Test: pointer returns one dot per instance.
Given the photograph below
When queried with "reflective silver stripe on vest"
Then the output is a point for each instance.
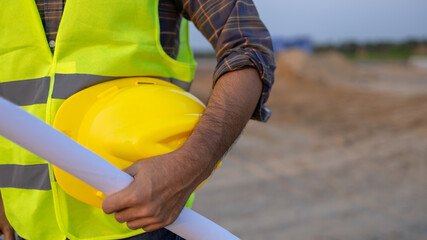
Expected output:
(68, 84)
(26, 92)
(25, 176)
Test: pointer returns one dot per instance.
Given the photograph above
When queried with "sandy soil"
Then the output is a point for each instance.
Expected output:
(343, 157)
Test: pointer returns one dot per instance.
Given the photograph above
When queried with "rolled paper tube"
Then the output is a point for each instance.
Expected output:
(36, 136)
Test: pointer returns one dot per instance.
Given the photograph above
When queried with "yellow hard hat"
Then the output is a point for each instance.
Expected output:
(123, 121)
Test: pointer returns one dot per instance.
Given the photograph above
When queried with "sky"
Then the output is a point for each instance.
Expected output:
(334, 21)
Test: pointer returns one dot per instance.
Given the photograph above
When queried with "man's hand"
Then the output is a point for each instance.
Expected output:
(163, 183)
(5, 227)
(159, 192)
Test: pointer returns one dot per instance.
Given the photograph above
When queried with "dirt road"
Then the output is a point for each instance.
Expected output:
(343, 157)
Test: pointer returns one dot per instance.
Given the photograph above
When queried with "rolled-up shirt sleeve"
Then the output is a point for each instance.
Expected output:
(240, 40)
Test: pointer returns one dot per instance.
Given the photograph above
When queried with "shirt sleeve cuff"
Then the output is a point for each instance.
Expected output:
(250, 58)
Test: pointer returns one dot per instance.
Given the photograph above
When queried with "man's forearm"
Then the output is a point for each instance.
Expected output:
(230, 106)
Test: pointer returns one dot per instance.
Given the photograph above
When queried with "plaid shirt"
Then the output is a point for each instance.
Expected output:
(232, 27)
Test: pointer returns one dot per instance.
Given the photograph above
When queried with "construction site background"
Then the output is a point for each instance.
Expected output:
(344, 155)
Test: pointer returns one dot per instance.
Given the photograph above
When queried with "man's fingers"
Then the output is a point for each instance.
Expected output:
(120, 200)
(123, 199)
(140, 223)
(148, 224)
(132, 214)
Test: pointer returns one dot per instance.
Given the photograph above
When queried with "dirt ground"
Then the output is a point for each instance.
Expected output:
(344, 155)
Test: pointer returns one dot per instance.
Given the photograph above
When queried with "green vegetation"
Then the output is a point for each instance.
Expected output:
(378, 50)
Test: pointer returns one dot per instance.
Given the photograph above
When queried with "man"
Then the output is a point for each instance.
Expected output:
(162, 184)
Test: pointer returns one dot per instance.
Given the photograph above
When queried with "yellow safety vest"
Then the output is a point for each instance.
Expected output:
(97, 41)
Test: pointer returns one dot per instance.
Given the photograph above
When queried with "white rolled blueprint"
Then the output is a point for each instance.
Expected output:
(55, 147)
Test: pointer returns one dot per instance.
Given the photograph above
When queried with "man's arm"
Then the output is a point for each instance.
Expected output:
(239, 37)
(5, 227)
(163, 183)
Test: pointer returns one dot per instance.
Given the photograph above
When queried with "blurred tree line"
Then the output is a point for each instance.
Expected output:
(378, 50)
